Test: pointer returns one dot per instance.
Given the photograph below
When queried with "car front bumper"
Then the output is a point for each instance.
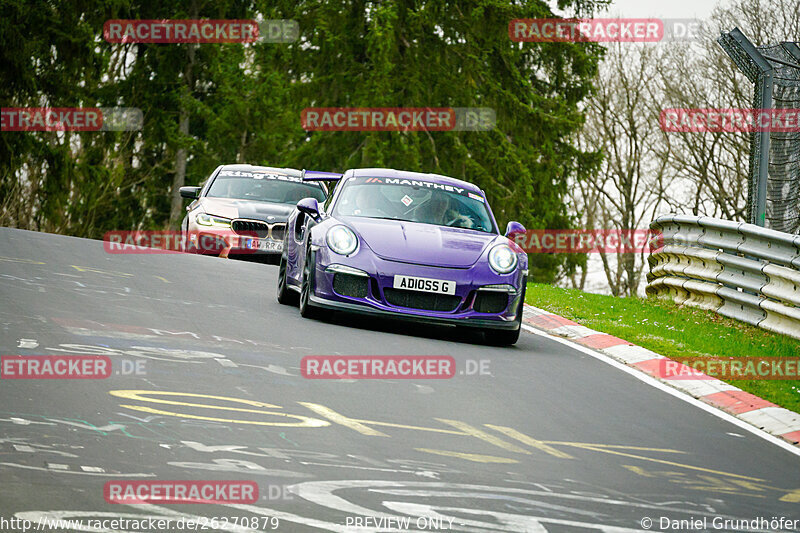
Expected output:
(377, 296)
(224, 242)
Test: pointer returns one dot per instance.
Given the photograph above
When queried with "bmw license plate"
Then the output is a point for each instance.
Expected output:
(270, 246)
(438, 286)
(263, 245)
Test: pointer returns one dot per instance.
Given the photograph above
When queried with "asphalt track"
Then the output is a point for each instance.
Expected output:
(551, 439)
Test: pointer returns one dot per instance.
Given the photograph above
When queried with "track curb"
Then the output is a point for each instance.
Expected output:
(745, 406)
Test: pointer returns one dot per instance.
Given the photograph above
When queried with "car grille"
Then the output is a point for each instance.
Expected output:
(421, 300)
(250, 228)
(491, 302)
(350, 285)
(278, 231)
(256, 228)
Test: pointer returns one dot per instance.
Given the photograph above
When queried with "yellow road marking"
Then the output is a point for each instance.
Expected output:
(662, 461)
(98, 271)
(340, 419)
(615, 446)
(355, 422)
(18, 260)
(706, 483)
(792, 497)
(638, 470)
(141, 395)
(165, 280)
(306, 423)
(418, 428)
(482, 435)
(478, 458)
(524, 439)
(462, 428)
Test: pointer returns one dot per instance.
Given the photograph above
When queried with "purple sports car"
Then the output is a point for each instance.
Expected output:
(402, 244)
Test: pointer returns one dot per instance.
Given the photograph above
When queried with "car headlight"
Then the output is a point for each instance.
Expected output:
(342, 240)
(502, 259)
(205, 219)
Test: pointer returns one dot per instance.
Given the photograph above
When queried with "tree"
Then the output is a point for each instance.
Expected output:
(209, 104)
(647, 172)
(630, 184)
(451, 53)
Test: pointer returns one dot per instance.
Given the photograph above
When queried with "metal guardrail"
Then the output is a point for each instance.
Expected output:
(738, 270)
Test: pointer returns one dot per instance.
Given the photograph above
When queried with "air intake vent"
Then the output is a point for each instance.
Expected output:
(350, 285)
(421, 300)
(491, 302)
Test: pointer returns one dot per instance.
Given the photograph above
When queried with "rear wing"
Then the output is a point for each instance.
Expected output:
(318, 175)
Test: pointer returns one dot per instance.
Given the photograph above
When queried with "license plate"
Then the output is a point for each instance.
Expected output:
(270, 246)
(438, 286)
(263, 245)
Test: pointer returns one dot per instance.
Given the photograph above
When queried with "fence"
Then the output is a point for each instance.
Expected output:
(774, 184)
(738, 270)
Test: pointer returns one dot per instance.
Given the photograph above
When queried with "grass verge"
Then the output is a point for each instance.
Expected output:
(676, 331)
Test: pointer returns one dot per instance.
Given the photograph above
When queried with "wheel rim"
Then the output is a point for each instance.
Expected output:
(306, 286)
(281, 276)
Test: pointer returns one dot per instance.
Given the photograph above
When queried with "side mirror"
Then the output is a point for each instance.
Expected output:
(310, 207)
(190, 192)
(514, 227)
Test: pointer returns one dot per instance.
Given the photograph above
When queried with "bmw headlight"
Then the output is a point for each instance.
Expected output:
(205, 219)
(342, 240)
(502, 259)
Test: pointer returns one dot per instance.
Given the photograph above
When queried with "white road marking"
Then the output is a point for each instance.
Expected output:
(24, 422)
(66, 470)
(27, 343)
(641, 376)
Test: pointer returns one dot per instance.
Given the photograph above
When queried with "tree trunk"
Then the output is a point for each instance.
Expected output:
(176, 209)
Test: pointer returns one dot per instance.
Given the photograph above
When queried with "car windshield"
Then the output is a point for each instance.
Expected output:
(423, 202)
(259, 187)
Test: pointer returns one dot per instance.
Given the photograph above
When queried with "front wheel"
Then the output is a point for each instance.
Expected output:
(306, 309)
(507, 337)
(286, 296)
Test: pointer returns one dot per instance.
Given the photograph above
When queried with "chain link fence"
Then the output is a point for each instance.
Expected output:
(774, 181)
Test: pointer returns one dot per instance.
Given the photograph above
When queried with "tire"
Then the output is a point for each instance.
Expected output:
(286, 296)
(186, 247)
(507, 337)
(306, 309)
(502, 337)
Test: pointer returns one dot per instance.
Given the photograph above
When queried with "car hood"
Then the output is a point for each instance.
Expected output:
(422, 244)
(231, 208)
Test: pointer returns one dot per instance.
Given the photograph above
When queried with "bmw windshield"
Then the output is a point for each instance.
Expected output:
(261, 187)
(422, 202)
